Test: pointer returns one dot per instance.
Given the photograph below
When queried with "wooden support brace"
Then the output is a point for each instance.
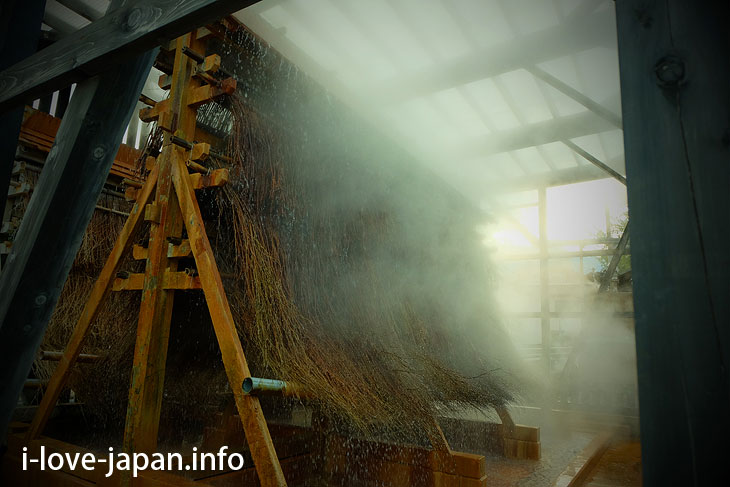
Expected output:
(164, 82)
(216, 179)
(152, 213)
(200, 152)
(234, 360)
(211, 64)
(171, 280)
(150, 114)
(204, 94)
(98, 293)
(173, 251)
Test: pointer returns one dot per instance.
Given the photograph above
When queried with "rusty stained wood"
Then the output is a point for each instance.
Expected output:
(215, 178)
(100, 290)
(173, 251)
(249, 409)
(153, 329)
(171, 280)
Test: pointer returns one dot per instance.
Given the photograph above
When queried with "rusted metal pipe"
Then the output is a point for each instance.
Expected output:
(179, 141)
(147, 100)
(257, 386)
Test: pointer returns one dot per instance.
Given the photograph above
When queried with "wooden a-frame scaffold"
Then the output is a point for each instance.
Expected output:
(167, 201)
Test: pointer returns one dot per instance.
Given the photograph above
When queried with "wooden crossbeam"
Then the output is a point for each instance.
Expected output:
(216, 178)
(171, 280)
(539, 133)
(553, 178)
(139, 25)
(173, 251)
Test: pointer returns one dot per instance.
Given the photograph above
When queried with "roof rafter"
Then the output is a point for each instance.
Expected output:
(560, 177)
(568, 127)
(586, 32)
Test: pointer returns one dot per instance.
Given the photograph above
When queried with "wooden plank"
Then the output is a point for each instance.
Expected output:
(580, 470)
(39, 132)
(534, 134)
(135, 27)
(216, 178)
(469, 464)
(523, 450)
(173, 251)
(674, 87)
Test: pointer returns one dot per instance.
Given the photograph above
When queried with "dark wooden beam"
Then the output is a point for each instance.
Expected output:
(135, 27)
(60, 209)
(20, 29)
(674, 59)
(579, 33)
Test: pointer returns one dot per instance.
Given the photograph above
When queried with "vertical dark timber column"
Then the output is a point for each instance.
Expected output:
(675, 82)
(60, 210)
(20, 28)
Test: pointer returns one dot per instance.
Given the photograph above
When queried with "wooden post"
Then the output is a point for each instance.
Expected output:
(20, 28)
(153, 329)
(544, 280)
(60, 209)
(675, 90)
(234, 360)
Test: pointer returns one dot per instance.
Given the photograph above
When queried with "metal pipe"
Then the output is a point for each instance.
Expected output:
(112, 210)
(179, 141)
(195, 56)
(257, 386)
(147, 100)
(55, 356)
